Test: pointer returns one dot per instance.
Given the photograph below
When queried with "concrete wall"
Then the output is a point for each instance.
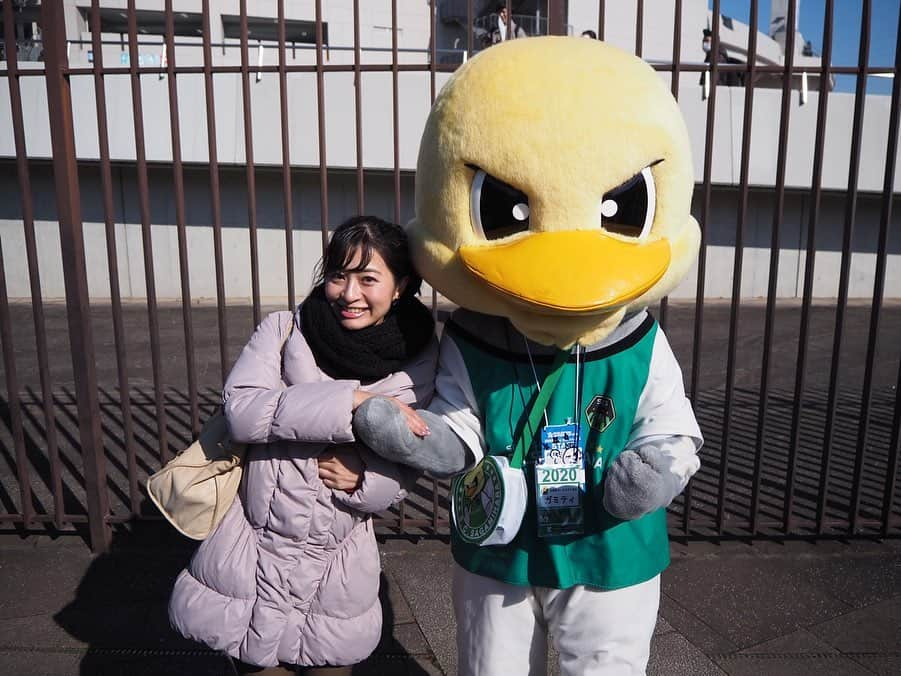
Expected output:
(720, 230)
(307, 239)
(414, 103)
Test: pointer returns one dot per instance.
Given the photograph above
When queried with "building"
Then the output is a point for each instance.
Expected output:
(385, 156)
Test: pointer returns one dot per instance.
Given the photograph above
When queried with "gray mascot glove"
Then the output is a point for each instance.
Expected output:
(639, 482)
(381, 425)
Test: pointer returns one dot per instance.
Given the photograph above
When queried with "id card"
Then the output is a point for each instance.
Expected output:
(560, 481)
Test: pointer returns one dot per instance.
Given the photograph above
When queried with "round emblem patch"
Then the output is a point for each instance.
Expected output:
(477, 502)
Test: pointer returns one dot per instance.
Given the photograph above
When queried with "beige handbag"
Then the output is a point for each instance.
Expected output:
(195, 489)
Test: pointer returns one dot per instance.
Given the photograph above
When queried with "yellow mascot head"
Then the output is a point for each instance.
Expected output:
(553, 188)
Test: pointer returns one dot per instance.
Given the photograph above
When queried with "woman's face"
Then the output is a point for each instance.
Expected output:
(362, 298)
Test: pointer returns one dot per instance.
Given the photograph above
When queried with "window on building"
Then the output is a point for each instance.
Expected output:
(26, 29)
(149, 22)
(263, 28)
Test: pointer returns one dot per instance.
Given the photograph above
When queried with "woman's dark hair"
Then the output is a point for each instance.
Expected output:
(590, 33)
(369, 234)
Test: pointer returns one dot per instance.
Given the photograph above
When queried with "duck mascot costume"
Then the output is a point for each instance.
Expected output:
(552, 205)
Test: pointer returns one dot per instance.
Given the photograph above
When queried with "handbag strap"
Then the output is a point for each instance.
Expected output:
(537, 411)
(289, 329)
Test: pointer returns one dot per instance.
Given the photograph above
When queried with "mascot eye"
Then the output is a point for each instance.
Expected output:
(629, 209)
(497, 209)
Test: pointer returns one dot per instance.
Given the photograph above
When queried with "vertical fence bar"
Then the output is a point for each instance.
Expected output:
(845, 273)
(286, 156)
(702, 253)
(602, 18)
(6, 334)
(112, 256)
(433, 50)
(320, 107)
(34, 277)
(738, 265)
(556, 17)
(395, 108)
(778, 213)
(395, 116)
(146, 232)
(249, 168)
(358, 108)
(68, 207)
(13, 401)
(469, 25)
(810, 259)
(674, 89)
(639, 28)
(677, 49)
(179, 184)
(432, 94)
(885, 220)
(215, 198)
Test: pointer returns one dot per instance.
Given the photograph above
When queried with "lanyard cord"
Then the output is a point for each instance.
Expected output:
(577, 400)
(534, 374)
(539, 406)
(577, 395)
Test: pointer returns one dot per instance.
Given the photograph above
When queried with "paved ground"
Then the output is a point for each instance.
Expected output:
(826, 608)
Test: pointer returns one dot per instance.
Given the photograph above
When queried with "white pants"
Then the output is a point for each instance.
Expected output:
(503, 628)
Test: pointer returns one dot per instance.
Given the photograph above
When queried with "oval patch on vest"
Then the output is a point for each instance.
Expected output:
(478, 499)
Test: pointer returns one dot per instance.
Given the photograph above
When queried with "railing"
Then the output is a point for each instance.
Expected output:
(531, 24)
(802, 434)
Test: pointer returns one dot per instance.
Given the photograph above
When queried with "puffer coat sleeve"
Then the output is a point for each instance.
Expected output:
(260, 408)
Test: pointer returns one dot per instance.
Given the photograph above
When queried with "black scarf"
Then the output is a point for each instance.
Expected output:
(370, 353)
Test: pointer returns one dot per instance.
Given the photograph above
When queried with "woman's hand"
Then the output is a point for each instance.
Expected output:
(359, 397)
(414, 421)
(340, 468)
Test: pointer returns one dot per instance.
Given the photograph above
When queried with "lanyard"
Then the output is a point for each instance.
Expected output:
(537, 410)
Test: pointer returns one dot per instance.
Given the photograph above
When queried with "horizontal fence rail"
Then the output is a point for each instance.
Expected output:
(798, 393)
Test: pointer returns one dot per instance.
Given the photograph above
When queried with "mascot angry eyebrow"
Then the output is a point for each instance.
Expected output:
(553, 190)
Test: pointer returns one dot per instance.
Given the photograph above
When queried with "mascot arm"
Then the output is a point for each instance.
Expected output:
(644, 480)
(455, 439)
(662, 452)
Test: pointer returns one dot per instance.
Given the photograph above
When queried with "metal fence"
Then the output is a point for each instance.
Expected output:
(792, 450)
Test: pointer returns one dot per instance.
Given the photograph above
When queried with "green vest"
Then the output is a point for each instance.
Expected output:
(611, 553)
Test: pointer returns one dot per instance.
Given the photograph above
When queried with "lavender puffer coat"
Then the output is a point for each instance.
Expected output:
(292, 572)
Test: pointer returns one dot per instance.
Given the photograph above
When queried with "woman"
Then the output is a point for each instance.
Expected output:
(290, 577)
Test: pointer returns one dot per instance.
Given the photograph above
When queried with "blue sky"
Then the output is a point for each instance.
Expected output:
(846, 37)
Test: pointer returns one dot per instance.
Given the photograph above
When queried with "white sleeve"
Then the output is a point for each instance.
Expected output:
(664, 418)
(455, 400)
